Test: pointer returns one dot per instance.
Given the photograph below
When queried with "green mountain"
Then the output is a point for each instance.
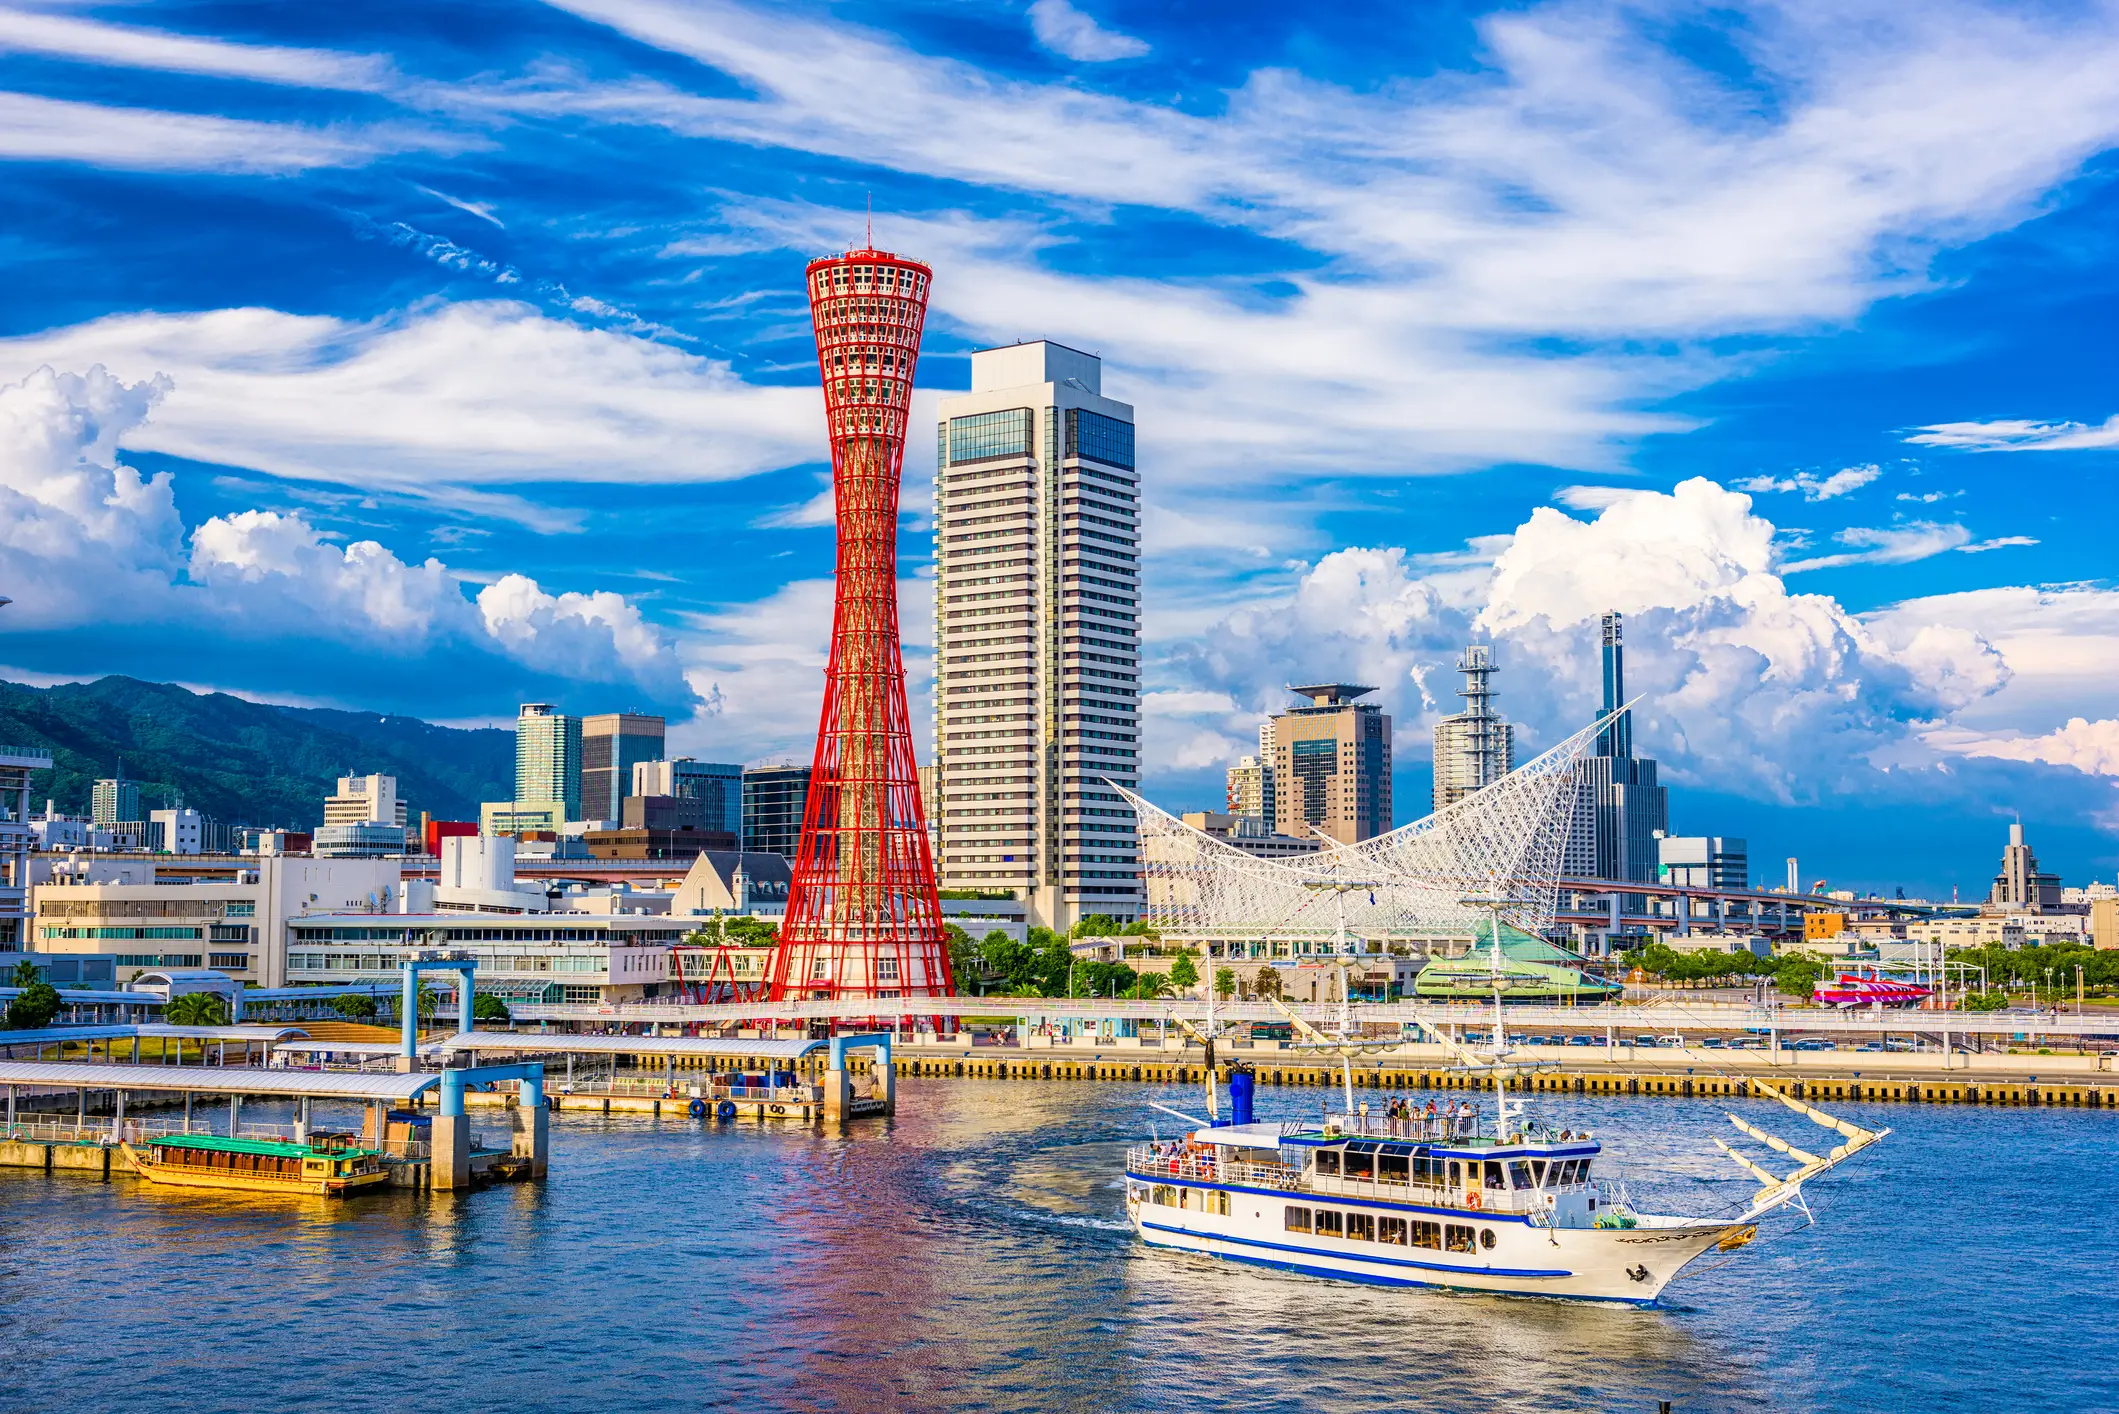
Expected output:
(245, 762)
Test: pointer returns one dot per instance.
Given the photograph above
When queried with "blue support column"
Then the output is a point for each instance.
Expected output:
(463, 998)
(408, 1015)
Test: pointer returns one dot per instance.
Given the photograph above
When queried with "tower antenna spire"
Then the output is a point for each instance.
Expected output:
(871, 221)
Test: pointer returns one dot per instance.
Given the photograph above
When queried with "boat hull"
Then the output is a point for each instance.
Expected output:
(174, 1177)
(1630, 1266)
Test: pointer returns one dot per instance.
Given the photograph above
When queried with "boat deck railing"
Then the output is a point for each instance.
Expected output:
(1157, 1161)
(704, 1089)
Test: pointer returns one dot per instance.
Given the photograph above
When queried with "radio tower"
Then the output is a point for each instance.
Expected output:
(863, 918)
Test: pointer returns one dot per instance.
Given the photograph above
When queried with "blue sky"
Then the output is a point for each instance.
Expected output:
(431, 358)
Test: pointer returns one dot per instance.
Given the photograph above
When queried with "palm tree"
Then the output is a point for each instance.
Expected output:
(196, 1009)
(24, 975)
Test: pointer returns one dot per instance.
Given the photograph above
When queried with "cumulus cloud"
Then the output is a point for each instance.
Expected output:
(2089, 747)
(1065, 30)
(87, 543)
(2019, 436)
(1780, 695)
(1813, 486)
(435, 398)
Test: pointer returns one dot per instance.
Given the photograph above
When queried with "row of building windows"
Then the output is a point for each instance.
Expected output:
(120, 933)
(990, 434)
(1101, 438)
(147, 908)
(160, 959)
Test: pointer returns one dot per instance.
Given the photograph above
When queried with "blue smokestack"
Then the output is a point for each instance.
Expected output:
(1240, 1083)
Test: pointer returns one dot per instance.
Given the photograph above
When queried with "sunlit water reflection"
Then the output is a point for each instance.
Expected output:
(972, 1255)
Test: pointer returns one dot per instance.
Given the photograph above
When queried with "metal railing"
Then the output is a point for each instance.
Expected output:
(1172, 1161)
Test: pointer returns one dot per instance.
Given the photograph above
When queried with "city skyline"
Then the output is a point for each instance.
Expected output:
(441, 439)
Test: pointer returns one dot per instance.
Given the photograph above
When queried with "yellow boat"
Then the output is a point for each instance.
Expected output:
(329, 1164)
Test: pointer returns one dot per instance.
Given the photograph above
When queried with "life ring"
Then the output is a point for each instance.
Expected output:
(698, 1108)
(779, 1109)
(726, 1109)
(1471, 1200)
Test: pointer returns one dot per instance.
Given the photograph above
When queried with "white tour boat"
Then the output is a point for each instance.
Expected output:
(1440, 1196)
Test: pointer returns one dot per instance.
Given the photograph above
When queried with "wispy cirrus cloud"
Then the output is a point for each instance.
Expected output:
(154, 140)
(1887, 545)
(473, 394)
(2019, 436)
(125, 46)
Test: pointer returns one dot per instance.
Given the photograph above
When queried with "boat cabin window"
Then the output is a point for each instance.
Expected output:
(1328, 1161)
(1519, 1175)
(1460, 1239)
(1391, 1230)
(1298, 1219)
(1455, 1176)
(1427, 1234)
(1328, 1224)
(1360, 1161)
(1493, 1174)
(1486, 1237)
(1360, 1227)
(1394, 1165)
(1425, 1169)
(1537, 1170)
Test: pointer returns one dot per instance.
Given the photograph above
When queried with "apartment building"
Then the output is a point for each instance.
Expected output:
(1037, 635)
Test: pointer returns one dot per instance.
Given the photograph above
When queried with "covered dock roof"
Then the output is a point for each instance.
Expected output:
(56, 1035)
(219, 1080)
(531, 1044)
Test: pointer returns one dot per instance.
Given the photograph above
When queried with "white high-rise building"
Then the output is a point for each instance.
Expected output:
(365, 800)
(1037, 635)
(1474, 748)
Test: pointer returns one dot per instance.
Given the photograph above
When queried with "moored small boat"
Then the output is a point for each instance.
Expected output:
(331, 1165)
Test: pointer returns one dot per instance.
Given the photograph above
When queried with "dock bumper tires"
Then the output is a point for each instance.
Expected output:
(725, 1111)
(698, 1108)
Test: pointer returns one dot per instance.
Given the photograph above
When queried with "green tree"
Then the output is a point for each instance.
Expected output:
(196, 1009)
(1798, 976)
(1225, 982)
(1268, 983)
(1986, 1001)
(1184, 973)
(34, 1007)
(486, 1007)
(1096, 925)
(24, 975)
(354, 1008)
(1149, 985)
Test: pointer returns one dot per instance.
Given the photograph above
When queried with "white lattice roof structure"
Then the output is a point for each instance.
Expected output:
(1504, 841)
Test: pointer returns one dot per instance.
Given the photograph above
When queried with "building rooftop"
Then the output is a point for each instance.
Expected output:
(1331, 694)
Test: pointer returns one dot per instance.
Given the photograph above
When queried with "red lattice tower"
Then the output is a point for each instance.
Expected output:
(863, 918)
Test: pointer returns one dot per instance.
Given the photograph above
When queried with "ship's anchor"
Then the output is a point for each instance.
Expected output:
(1638, 1273)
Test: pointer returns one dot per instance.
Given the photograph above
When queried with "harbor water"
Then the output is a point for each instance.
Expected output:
(971, 1254)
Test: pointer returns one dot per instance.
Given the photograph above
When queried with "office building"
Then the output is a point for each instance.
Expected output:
(521, 817)
(1250, 792)
(115, 801)
(229, 915)
(2020, 884)
(548, 758)
(1037, 635)
(1474, 748)
(1249, 834)
(612, 744)
(1619, 809)
(176, 831)
(716, 785)
(659, 827)
(365, 800)
(1331, 764)
(774, 798)
(1703, 861)
(363, 839)
(17, 839)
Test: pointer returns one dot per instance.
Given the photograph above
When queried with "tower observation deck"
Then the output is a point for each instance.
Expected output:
(863, 918)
